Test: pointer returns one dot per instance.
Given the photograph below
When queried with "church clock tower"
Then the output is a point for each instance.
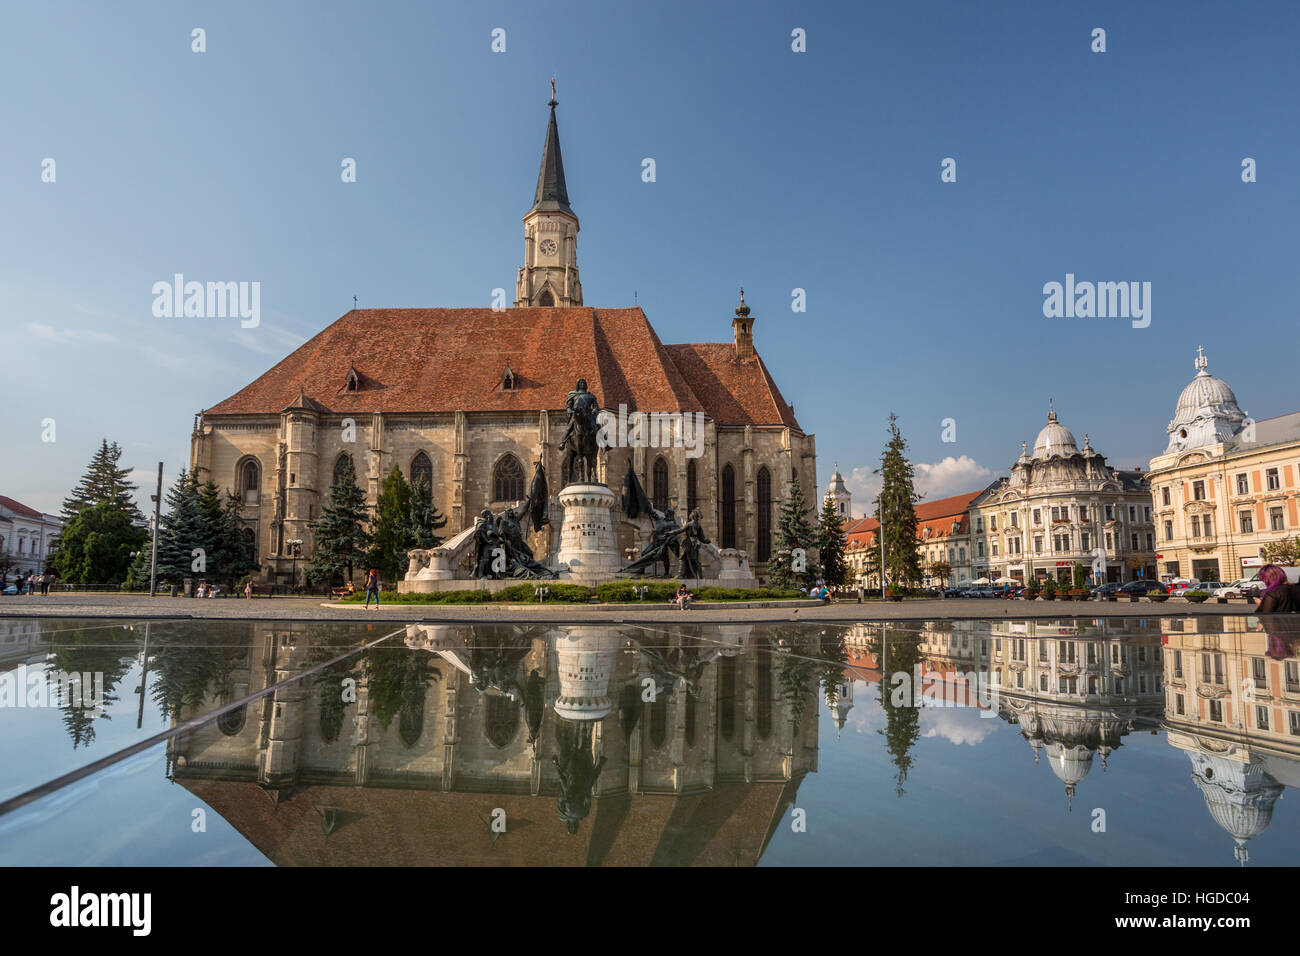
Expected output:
(549, 276)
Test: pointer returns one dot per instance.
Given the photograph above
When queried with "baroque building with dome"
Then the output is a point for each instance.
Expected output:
(1063, 505)
(469, 399)
(1225, 485)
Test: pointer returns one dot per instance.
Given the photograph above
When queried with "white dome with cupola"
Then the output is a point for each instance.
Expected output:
(1207, 412)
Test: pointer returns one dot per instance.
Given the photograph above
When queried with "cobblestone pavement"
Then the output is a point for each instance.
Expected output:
(314, 609)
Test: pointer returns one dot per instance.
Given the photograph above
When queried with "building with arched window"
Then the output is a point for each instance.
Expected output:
(471, 399)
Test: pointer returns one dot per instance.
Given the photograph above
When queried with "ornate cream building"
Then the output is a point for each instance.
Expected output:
(469, 399)
(1225, 485)
(1064, 506)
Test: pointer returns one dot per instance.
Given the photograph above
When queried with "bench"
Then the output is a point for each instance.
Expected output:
(265, 589)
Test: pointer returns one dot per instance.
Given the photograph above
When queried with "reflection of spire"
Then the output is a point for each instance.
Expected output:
(1239, 796)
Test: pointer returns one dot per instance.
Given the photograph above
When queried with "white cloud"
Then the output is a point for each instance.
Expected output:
(49, 333)
(957, 725)
(949, 476)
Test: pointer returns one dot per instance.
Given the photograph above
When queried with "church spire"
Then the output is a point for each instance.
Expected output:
(549, 276)
(552, 193)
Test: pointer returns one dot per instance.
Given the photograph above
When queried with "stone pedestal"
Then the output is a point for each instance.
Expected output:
(588, 544)
(586, 658)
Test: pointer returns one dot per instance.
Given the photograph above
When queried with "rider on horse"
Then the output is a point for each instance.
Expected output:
(582, 408)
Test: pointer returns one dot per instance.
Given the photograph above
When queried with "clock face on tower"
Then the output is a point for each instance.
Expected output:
(547, 247)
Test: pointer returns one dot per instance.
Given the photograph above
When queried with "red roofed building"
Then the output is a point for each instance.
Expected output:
(471, 398)
(942, 534)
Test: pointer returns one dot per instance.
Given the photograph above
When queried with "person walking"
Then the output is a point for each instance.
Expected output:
(372, 587)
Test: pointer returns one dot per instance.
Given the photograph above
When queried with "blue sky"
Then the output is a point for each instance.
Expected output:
(775, 169)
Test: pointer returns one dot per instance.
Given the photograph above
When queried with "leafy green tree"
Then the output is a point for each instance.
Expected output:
(896, 510)
(339, 535)
(795, 541)
(941, 570)
(425, 519)
(831, 545)
(96, 545)
(1284, 551)
(393, 533)
(104, 483)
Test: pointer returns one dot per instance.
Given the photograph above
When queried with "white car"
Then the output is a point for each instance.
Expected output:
(1240, 588)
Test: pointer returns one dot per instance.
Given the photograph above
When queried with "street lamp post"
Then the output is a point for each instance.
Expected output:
(295, 549)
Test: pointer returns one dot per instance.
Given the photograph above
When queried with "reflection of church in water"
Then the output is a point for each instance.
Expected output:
(600, 744)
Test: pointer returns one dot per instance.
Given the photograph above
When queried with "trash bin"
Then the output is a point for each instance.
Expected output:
(173, 590)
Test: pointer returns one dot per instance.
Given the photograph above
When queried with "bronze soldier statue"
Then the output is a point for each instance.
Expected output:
(581, 432)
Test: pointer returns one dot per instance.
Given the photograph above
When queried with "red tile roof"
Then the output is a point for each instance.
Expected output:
(438, 360)
(937, 515)
(19, 508)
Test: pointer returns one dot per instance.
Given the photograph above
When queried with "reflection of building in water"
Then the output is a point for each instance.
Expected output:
(649, 748)
(1075, 688)
(20, 643)
(1235, 712)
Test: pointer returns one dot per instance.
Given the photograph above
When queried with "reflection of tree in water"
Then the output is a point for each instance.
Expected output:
(578, 771)
(325, 645)
(80, 653)
(902, 720)
(397, 679)
(185, 672)
(799, 666)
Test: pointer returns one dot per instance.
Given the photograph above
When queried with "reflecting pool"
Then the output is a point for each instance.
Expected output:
(1111, 742)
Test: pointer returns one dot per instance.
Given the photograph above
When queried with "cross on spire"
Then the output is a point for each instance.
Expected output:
(1202, 363)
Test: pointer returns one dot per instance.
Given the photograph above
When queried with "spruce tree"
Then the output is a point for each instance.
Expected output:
(794, 536)
(182, 531)
(104, 483)
(339, 536)
(425, 518)
(896, 510)
(831, 545)
(392, 526)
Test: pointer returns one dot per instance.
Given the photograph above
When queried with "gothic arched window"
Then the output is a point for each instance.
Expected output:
(764, 514)
(692, 487)
(422, 472)
(342, 467)
(728, 507)
(659, 485)
(508, 480)
(546, 298)
(232, 721)
(250, 480)
(501, 720)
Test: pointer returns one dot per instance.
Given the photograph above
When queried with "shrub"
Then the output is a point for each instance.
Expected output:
(623, 592)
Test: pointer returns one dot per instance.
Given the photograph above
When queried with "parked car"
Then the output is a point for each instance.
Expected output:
(1240, 588)
(983, 591)
(1211, 586)
(954, 592)
(11, 589)
(1142, 588)
(1179, 585)
(1106, 590)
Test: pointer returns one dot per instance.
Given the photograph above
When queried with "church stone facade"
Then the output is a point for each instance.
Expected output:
(471, 398)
